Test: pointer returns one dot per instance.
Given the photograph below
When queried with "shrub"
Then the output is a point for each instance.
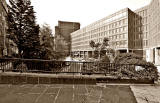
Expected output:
(96, 54)
(128, 58)
(105, 59)
(149, 71)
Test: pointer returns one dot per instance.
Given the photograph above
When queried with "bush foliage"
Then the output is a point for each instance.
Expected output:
(148, 70)
(105, 59)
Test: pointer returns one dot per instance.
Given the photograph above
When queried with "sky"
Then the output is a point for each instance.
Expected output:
(83, 11)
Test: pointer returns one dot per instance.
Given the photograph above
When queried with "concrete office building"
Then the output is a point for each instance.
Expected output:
(138, 40)
(153, 51)
(129, 31)
(114, 26)
(62, 36)
(3, 27)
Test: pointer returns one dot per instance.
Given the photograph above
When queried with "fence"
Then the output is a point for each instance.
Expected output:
(52, 66)
(84, 68)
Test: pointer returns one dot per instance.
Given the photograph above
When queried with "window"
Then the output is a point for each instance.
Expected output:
(119, 36)
(112, 31)
(119, 22)
(112, 25)
(123, 21)
(143, 28)
(125, 28)
(139, 29)
(121, 29)
(143, 13)
(146, 20)
(109, 25)
(115, 24)
(109, 31)
(146, 42)
(101, 33)
(106, 32)
(146, 35)
(123, 35)
(105, 27)
(146, 27)
(116, 30)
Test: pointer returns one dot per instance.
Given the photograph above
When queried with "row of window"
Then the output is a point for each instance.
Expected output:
(140, 36)
(106, 33)
(119, 36)
(116, 17)
(119, 43)
(107, 20)
(143, 13)
(112, 44)
(140, 28)
(137, 44)
(141, 21)
(145, 43)
(112, 38)
(100, 29)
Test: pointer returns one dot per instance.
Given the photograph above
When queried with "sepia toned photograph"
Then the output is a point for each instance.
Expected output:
(79, 51)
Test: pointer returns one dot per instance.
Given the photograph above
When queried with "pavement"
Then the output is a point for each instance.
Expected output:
(146, 94)
(61, 93)
(71, 93)
(78, 93)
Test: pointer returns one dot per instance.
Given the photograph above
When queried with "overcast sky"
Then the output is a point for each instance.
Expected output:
(83, 11)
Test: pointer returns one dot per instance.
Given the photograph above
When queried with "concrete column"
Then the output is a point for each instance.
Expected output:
(80, 54)
(85, 54)
(127, 50)
(92, 54)
(157, 56)
(89, 54)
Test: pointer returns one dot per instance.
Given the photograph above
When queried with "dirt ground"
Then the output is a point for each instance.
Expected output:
(60, 93)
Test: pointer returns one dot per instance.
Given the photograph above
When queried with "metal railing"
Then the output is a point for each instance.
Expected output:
(83, 68)
(52, 66)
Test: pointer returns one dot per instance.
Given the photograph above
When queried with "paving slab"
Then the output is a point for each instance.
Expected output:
(65, 93)
(146, 94)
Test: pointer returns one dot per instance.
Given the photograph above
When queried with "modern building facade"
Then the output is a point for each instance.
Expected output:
(128, 31)
(115, 27)
(62, 36)
(3, 27)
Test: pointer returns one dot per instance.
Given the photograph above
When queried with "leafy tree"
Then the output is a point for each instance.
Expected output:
(100, 49)
(92, 44)
(23, 29)
(47, 42)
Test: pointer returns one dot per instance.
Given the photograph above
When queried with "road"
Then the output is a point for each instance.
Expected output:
(61, 93)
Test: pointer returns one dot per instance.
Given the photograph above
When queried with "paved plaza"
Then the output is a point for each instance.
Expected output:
(60, 93)
(146, 94)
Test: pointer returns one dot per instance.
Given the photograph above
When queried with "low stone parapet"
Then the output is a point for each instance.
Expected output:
(35, 78)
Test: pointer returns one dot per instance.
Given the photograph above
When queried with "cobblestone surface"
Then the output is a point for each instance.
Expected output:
(60, 93)
(146, 94)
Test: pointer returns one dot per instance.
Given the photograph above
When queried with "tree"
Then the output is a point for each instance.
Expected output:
(101, 48)
(47, 42)
(92, 44)
(23, 29)
(95, 46)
